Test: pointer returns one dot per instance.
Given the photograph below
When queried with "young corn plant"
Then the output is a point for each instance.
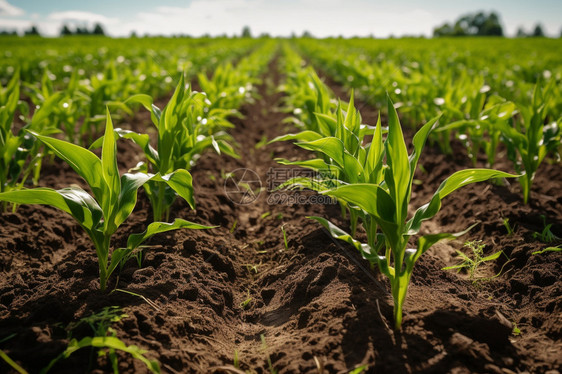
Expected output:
(483, 130)
(20, 153)
(104, 339)
(529, 141)
(186, 127)
(385, 206)
(341, 156)
(113, 199)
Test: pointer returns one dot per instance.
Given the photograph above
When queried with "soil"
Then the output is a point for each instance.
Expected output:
(241, 295)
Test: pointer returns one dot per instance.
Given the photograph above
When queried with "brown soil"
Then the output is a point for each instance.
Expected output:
(236, 290)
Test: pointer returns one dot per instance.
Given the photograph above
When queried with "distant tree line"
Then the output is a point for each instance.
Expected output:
(482, 24)
(537, 32)
(474, 24)
(97, 30)
(65, 31)
(31, 31)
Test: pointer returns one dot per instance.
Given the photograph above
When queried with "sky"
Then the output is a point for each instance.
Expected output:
(277, 17)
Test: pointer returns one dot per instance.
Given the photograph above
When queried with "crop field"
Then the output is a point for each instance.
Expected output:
(266, 205)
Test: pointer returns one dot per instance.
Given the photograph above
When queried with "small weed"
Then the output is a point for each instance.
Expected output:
(546, 236)
(510, 229)
(478, 258)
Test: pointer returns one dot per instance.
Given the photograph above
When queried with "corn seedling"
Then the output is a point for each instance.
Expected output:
(529, 142)
(285, 241)
(384, 205)
(185, 129)
(105, 339)
(510, 228)
(272, 370)
(20, 156)
(113, 199)
(546, 235)
(341, 156)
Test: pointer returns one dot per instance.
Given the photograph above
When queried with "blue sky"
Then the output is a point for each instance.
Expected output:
(320, 17)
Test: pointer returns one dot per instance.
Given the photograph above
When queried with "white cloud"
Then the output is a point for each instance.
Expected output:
(329, 17)
(81, 17)
(7, 9)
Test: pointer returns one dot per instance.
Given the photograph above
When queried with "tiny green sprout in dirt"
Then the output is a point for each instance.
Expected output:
(471, 264)
(236, 360)
(265, 215)
(359, 370)
(105, 339)
(549, 249)
(247, 301)
(112, 201)
(233, 227)
(264, 347)
(12, 363)
(510, 229)
(516, 330)
(285, 240)
(546, 235)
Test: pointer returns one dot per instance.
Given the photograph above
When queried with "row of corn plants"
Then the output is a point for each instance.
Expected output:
(516, 108)
(75, 105)
(373, 179)
(189, 124)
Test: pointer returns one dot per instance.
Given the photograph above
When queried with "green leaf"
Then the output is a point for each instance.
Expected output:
(330, 146)
(457, 180)
(12, 363)
(493, 256)
(464, 177)
(143, 140)
(130, 183)
(157, 227)
(72, 200)
(110, 342)
(181, 182)
(110, 174)
(314, 164)
(304, 136)
(372, 198)
(82, 161)
(398, 175)
(548, 249)
(45, 110)
(147, 102)
(374, 160)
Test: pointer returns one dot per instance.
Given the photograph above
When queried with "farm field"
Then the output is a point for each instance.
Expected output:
(237, 277)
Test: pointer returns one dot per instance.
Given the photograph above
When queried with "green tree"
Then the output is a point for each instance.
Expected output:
(474, 24)
(537, 31)
(32, 31)
(98, 29)
(246, 33)
(65, 31)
